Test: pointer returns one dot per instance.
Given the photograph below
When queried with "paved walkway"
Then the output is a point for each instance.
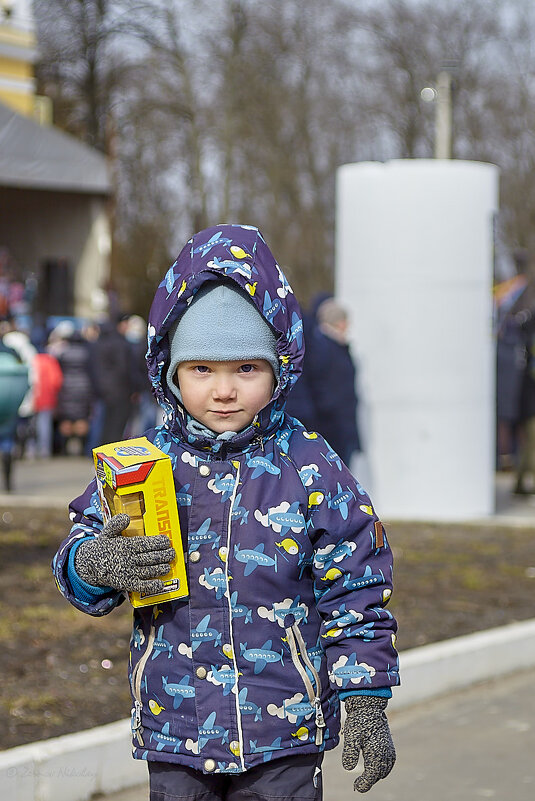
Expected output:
(48, 482)
(56, 481)
(474, 744)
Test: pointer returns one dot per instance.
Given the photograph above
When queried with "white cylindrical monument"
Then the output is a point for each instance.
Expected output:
(414, 266)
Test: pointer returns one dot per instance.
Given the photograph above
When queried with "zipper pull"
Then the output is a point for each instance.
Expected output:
(136, 721)
(136, 715)
(260, 440)
(320, 721)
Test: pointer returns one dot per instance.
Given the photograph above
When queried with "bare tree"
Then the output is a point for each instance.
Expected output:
(78, 67)
(253, 118)
(242, 110)
(292, 125)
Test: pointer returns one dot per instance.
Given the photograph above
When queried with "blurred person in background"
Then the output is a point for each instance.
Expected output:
(48, 378)
(301, 402)
(510, 362)
(91, 332)
(329, 407)
(145, 410)
(76, 395)
(525, 474)
(58, 338)
(16, 338)
(332, 379)
(513, 299)
(112, 369)
(14, 385)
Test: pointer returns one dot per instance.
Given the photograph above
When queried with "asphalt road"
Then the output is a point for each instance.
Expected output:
(474, 744)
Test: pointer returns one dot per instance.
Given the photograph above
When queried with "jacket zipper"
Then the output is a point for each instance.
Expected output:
(137, 676)
(298, 646)
(236, 694)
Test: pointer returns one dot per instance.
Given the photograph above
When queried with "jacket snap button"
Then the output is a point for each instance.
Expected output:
(201, 672)
(204, 470)
(235, 747)
(209, 765)
(194, 556)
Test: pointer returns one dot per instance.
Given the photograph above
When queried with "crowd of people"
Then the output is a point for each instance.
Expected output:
(83, 384)
(77, 387)
(80, 385)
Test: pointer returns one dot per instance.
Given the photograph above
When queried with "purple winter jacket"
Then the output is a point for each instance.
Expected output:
(289, 567)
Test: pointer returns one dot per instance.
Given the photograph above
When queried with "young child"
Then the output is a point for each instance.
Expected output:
(237, 688)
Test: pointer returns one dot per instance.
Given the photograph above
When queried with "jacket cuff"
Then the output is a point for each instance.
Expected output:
(378, 692)
(87, 593)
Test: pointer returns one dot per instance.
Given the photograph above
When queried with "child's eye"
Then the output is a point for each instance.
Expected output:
(247, 368)
(201, 368)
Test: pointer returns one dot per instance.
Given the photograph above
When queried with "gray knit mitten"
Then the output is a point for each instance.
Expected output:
(366, 729)
(124, 563)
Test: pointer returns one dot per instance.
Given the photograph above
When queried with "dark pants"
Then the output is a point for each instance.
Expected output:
(292, 778)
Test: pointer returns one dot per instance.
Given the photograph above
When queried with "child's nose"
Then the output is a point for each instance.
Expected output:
(224, 388)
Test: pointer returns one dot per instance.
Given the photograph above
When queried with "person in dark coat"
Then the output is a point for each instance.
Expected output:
(76, 396)
(113, 368)
(525, 476)
(332, 380)
(300, 402)
(144, 407)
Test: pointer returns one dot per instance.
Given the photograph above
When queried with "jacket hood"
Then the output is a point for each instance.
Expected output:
(236, 253)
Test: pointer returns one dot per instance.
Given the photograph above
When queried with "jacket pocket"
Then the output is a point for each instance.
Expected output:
(136, 681)
(302, 661)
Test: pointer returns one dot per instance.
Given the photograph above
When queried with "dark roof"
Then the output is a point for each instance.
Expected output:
(34, 156)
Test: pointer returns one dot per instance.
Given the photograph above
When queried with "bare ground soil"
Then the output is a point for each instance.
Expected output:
(63, 671)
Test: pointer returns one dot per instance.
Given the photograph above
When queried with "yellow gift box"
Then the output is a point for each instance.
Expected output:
(136, 477)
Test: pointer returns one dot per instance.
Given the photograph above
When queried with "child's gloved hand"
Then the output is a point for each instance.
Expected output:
(366, 729)
(124, 563)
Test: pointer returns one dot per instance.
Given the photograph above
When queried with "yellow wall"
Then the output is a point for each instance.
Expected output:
(21, 102)
(17, 49)
(15, 36)
(14, 68)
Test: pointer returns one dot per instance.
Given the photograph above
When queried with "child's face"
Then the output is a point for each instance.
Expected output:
(225, 396)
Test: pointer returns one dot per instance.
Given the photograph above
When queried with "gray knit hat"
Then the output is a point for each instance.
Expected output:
(221, 324)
